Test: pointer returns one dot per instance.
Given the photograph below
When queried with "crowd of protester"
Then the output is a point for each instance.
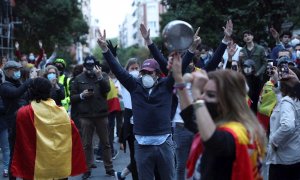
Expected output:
(228, 113)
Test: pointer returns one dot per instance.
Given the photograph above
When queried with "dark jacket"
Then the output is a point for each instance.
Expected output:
(258, 55)
(151, 112)
(58, 94)
(14, 96)
(95, 106)
(163, 62)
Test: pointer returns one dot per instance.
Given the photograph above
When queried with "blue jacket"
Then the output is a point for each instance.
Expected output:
(151, 112)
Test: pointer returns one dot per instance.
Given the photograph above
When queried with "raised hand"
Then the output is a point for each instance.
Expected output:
(199, 80)
(102, 40)
(275, 34)
(17, 45)
(175, 62)
(40, 44)
(196, 41)
(112, 48)
(228, 29)
(145, 33)
(291, 80)
(98, 71)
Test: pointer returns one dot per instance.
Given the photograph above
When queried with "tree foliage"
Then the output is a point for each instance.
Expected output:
(211, 15)
(52, 21)
(125, 53)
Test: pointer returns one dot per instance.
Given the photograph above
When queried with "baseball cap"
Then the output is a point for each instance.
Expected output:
(12, 64)
(150, 65)
(89, 62)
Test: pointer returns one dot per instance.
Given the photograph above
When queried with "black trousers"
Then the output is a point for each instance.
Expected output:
(284, 172)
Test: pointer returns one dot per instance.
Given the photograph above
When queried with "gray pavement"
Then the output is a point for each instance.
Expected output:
(119, 163)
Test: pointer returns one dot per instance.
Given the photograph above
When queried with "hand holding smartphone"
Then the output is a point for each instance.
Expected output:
(283, 71)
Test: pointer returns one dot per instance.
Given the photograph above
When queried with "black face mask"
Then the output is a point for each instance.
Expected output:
(213, 109)
(61, 69)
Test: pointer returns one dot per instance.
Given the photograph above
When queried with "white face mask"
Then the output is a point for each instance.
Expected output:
(247, 70)
(203, 56)
(31, 57)
(298, 54)
(148, 81)
(134, 73)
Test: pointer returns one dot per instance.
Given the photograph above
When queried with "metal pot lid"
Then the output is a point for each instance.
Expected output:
(178, 35)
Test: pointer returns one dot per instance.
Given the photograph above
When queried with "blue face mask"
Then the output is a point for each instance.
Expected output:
(51, 76)
(16, 75)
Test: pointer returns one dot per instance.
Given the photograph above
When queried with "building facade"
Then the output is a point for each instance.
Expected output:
(143, 11)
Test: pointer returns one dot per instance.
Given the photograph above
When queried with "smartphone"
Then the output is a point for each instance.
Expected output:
(283, 71)
(270, 68)
(97, 63)
(270, 62)
(90, 90)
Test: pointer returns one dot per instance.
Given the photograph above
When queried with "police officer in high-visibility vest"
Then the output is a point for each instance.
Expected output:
(64, 80)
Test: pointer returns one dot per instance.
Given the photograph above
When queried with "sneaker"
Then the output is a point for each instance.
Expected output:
(99, 159)
(118, 176)
(86, 175)
(115, 154)
(110, 173)
(5, 173)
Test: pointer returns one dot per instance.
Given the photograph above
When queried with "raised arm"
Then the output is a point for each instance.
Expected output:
(18, 52)
(10, 91)
(156, 53)
(53, 55)
(188, 56)
(217, 57)
(40, 56)
(127, 80)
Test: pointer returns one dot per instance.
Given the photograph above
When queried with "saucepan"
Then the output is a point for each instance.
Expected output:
(178, 35)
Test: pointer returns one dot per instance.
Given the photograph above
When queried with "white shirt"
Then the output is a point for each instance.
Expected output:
(235, 57)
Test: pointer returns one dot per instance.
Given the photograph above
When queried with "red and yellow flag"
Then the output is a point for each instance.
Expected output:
(47, 143)
(113, 101)
(247, 153)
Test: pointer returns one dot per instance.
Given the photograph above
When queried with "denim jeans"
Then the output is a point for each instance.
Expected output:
(159, 157)
(4, 145)
(183, 139)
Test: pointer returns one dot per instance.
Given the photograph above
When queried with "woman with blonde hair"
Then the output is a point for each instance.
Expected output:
(232, 140)
(57, 91)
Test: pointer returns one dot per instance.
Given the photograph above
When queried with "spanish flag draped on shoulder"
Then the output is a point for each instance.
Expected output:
(48, 145)
(248, 154)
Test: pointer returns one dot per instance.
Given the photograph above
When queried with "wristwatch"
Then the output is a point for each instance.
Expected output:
(199, 103)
